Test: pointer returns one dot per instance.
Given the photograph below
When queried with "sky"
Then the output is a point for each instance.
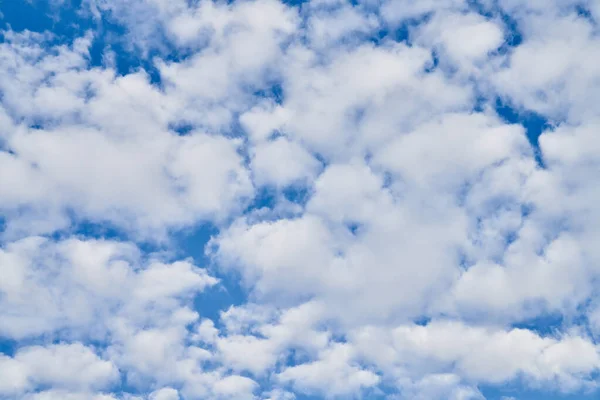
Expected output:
(322, 199)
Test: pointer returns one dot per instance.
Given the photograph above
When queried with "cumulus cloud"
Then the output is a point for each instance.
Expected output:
(61, 366)
(79, 285)
(478, 354)
(332, 374)
(107, 153)
(391, 230)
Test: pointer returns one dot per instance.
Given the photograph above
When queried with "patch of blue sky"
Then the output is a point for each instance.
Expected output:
(182, 128)
(71, 20)
(297, 194)
(85, 228)
(535, 124)
(273, 92)
(265, 198)
(8, 346)
(544, 325)
(585, 12)
(88, 228)
(268, 198)
(213, 300)
(400, 32)
(39, 16)
(519, 391)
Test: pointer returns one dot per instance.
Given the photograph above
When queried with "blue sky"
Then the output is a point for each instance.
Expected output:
(299, 200)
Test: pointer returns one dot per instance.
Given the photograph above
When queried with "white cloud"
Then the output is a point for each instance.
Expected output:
(278, 394)
(263, 119)
(77, 161)
(235, 387)
(134, 307)
(461, 39)
(65, 395)
(332, 374)
(551, 71)
(68, 366)
(440, 386)
(281, 163)
(81, 285)
(477, 354)
(422, 203)
(327, 26)
(355, 100)
(257, 338)
(396, 11)
(164, 394)
(473, 156)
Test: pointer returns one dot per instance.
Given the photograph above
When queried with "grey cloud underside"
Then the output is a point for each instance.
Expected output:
(422, 203)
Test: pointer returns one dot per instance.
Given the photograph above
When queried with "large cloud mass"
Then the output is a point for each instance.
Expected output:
(396, 199)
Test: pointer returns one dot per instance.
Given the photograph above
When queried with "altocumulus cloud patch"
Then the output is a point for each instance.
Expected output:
(299, 200)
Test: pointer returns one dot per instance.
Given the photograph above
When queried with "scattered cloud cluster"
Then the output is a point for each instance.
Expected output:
(369, 173)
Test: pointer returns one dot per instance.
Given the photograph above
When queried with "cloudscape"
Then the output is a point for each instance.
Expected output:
(298, 200)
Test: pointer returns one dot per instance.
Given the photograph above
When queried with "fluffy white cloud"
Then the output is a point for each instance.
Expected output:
(354, 222)
(335, 22)
(134, 307)
(165, 394)
(418, 201)
(477, 354)
(108, 154)
(551, 71)
(257, 339)
(332, 374)
(356, 99)
(281, 163)
(65, 395)
(462, 38)
(396, 11)
(82, 285)
(68, 366)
